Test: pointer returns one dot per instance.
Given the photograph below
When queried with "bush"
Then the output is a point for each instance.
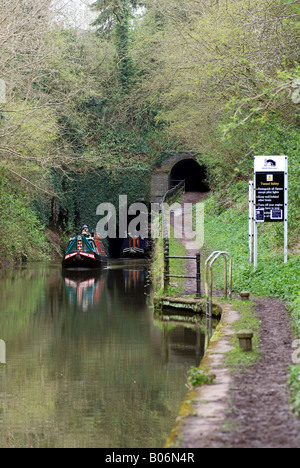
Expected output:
(22, 235)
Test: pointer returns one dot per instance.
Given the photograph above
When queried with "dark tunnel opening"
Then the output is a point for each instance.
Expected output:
(115, 247)
(194, 175)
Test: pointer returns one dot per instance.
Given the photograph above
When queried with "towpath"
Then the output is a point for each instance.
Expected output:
(187, 200)
(251, 410)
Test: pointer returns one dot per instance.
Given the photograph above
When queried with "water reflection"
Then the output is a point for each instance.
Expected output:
(87, 366)
(182, 343)
(84, 288)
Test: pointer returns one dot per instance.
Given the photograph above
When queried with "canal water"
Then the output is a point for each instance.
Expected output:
(87, 364)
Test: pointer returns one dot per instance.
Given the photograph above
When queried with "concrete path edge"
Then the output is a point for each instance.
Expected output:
(204, 408)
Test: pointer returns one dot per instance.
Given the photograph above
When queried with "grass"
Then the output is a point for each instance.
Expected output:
(229, 231)
(200, 376)
(157, 267)
(237, 359)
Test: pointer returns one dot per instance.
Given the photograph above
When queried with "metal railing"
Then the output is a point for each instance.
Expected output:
(167, 275)
(174, 191)
(209, 278)
(169, 195)
(175, 182)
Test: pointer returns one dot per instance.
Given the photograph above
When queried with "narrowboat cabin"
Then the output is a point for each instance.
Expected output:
(85, 252)
(135, 247)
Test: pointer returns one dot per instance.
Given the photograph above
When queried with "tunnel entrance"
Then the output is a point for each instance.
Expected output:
(194, 175)
(115, 247)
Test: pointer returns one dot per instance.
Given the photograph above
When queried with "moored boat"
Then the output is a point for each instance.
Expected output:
(85, 252)
(135, 247)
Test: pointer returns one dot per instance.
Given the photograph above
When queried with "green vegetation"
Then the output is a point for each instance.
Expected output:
(294, 383)
(177, 267)
(237, 359)
(86, 115)
(23, 236)
(72, 132)
(84, 110)
(229, 231)
(200, 376)
(157, 267)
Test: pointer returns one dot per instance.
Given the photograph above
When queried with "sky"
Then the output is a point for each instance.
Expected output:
(76, 13)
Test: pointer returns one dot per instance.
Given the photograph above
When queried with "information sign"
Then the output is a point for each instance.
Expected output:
(268, 198)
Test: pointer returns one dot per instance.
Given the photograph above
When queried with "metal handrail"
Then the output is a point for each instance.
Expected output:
(209, 278)
(173, 190)
(168, 195)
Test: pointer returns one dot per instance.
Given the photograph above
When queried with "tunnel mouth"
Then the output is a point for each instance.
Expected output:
(194, 174)
(115, 247)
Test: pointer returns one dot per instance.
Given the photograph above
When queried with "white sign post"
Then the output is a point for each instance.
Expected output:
(251, 222)
(2, 91)
(2, 352)
(268, 199)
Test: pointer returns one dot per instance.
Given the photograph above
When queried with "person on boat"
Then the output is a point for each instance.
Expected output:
(85, 231)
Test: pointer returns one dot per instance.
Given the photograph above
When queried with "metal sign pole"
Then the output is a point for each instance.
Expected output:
(255, 231)
(286, 196)
(251, 222)
(255, 248)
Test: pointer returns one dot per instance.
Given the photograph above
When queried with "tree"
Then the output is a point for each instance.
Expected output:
(23, 27)
(115, 17)
(39, 90)
(217, 53)
(112, 11)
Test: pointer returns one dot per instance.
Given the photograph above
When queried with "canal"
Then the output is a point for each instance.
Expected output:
(87, 364)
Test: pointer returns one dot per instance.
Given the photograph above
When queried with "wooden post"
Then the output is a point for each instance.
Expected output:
(245, 340)
(245, 295)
